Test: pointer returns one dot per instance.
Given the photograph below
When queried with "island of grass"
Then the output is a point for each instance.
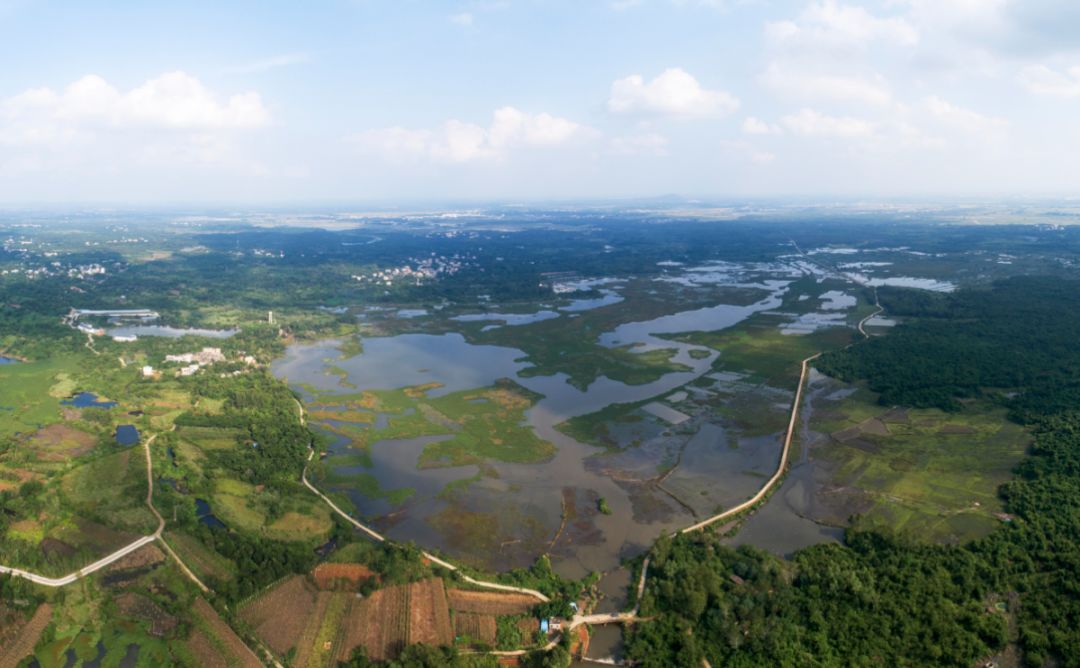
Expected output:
(486, 424)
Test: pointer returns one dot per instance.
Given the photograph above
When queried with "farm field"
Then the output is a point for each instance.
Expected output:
(214, 643)
(19, 636)
(319, 626)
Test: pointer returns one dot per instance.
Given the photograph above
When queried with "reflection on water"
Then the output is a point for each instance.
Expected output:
(171, 332)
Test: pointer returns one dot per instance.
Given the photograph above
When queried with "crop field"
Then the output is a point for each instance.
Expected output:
(328, 637)
(18, 638)
(429, 617)
(214, 643)
(279, 616)
(313, 622)
(211, 438)
(923, 473)
(479, 628)
(341, 576)
(489, 603)
(325, 626)
(201, 559)
(379, 623)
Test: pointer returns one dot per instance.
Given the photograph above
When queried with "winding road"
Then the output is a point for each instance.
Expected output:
(119, 554)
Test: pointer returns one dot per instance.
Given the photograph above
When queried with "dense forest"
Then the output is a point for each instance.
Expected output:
(875, 601)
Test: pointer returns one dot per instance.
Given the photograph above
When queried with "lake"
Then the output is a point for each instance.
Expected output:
(520, 506)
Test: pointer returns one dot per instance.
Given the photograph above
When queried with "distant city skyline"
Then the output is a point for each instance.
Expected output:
(381, 100)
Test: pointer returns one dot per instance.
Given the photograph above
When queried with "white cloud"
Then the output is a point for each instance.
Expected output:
(459, 142)
(673, 93)
(961, 118)
(172, 101)
(791, 82)
(464, 19)
(830, 25)
(1042, 80)
(755, 126)
(650, 143)
(810, 123)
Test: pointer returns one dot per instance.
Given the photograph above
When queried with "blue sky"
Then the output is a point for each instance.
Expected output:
(402, 100)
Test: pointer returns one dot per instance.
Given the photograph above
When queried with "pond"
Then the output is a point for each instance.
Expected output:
(171, 332)
(8, 360)
(127, 435)
(87, 400)
(206, 515)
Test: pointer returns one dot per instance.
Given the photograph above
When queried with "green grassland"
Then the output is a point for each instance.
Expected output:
(30, 394)
(931, 476)
(484, 424)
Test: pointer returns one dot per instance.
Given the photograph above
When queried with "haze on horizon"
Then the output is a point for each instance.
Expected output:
(376, 99)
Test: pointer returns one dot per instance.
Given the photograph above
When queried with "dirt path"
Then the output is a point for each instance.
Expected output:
(122, 552)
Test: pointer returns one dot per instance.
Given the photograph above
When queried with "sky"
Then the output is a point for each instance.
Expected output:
(527, 100)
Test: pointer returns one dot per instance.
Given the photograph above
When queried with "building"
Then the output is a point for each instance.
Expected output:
(124, 338)
(148, 372)
(189, 370)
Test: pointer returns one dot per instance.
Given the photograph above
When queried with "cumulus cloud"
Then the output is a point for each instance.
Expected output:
(459, 142)
(674, 93)
(831, 25)
(1042, 80)
(810, 123)
(172, 101)
(755, 126)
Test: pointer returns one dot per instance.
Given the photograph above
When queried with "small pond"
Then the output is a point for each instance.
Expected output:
(87, 400)
(127, 435)
(206, 515)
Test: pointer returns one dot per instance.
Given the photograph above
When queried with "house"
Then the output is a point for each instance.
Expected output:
(148, 372)
(189, 370)
(124, 338)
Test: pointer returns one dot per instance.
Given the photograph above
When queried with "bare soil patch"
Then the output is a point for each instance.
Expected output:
(21, 643)
(143, 609)
(489, 603)
(58, 442)
(429, 616)
(215, 643)
(341, 577)
(481, 628)
(379, 623)
(280, 615)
